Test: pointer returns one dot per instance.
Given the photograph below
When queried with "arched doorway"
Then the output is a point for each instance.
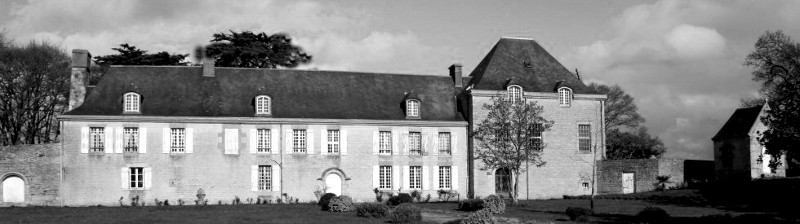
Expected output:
(334, 183)
(502, 182)
(13, 190)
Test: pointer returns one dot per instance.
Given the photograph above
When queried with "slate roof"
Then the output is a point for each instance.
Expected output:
(183, 91)
(739, 124)
(523, 62)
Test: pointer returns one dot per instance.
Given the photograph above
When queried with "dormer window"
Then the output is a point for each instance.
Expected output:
(412, 108)
(514, 93)
(263, 105)
(564, 96)
(132, 101)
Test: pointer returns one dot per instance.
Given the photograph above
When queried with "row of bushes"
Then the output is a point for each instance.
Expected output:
(492, 203)
(404, 213)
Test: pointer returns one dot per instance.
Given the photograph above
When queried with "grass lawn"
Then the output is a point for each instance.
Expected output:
(294, 213)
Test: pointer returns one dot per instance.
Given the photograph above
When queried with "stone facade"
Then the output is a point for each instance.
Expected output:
(737, 151)
(38, 166)
(645, 171)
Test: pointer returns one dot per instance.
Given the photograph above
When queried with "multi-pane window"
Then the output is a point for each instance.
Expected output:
(444, 177)
(412, 108)
(444, 143)
(415, 143)
(264, 177)
(97, 137)
(415, 177)
(263, 140)
(536, 136)
(385, 142)
(137, 178)
(177, 139)
(299, 140)
(130, 139)
(333, 141)
(131, 102)
(584, 137)
(385, 177)
(263, 105)
(514, 93)
(564, 96)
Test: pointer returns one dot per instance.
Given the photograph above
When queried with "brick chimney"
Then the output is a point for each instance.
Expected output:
(208, 67)
(79, 78)
(455, 73)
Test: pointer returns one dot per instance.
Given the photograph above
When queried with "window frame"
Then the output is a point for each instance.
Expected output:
(445, 145)
(265, 177)
(445, 177)
(132, 105)
(264, 140)
(299, 141)
(385, 142)
(537, 136)
(130, 139)
(415, 177)
(177, 140)
(136, 178)
(513, 96)
(413, 108)
(263, 105)
(564, 96)
(333, 141)
(415, 143)
(385, 177)
(584, 137)
(97, 139)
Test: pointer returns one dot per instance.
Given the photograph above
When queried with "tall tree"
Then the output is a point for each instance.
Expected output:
(255, 50)
(776, 60)
(130, 55)
(627, 145)
(34, 88)
(508, 138)
(620, 108)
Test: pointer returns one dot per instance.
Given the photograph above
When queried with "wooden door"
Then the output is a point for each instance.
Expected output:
(628, 183)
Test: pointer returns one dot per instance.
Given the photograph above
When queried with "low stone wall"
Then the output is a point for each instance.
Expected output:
(38, 166)
(609, 174)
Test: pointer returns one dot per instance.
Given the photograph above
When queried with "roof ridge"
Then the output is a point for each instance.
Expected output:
(517, 38)
(278, 69)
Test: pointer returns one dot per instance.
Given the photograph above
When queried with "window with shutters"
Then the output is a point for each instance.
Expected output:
(130, 139)
(333, 141)
(584, 137)
(97, 139)
(299, 140)
(137, 178)
(263, 105)
(444, 177)
(385, 177)
(415, 143)
(177, 140)
(444, 143)
(415, 177)
(536, 136)
(263, 141)
(131, 103)
(264, 177)
(385, 142)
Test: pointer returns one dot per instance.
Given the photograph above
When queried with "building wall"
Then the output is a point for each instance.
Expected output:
(760, 169)
(645, 173)
(38, 167)
(739, 168)
(95, 178)
(566, 167)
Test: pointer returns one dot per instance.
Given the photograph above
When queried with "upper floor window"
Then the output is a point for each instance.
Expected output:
(415, 143)
(97, 139)
(584, 137)
(177, 140)
(263, 105)
(444, 143)
(412, 108)
(564, 96)
(385, 142)
(514, 93)
(263, 140)
(536, 136)
(333, 141)
(130, 139)
(132, 101)
(299, 140)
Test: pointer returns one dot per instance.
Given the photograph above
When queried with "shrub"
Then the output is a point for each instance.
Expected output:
(341, 204)
(406, 213)
(578, 213)
(482, 216)
(494, 204)
(652, 214)
(325, 200)
(376, 210)
(416, 195)
(470, 205)
(400, 199)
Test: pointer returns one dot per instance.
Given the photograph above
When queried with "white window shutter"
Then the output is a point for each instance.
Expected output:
(406, 141)
(124, 177)
(288, 136)
(453, 143)
(396, 177)
(253, 145)
(435, 177)
(276, 178)
(395, 139)
(323, 142)
(406, 181)
(425, 143)
(310, 141)
(426, 184)
(165, 141)
(454, 177)
(148, 178)
(254, 178)
(342, 142)
(109, 143)
(274, 140)
(142, 140)
(189, 140)
(376, 177)
(118, 139)
(84, 139)
(375, 144)
(435, 138)
(231, 141)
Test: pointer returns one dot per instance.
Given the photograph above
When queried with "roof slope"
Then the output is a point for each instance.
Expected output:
(739, 124)
(525, 63)
(182, 91)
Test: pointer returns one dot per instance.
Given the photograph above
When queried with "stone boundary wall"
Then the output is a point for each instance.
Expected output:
(609, 174)
(38, 166)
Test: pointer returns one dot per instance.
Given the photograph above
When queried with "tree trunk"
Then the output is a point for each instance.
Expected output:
(514, 190)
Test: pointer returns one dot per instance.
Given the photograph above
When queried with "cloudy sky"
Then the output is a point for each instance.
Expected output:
(681, 60)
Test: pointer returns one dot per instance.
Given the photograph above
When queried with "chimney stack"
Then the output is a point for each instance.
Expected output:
(79, 77)
(208, 67)
(455, 73)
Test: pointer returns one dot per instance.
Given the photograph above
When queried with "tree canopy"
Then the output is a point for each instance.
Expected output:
(130, 55)
(776, 60)
(638, 145)
(620, 108)
(255, 50)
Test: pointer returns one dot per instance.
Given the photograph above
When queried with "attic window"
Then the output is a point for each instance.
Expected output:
(514, 93)
(132, 101)
(263, 105)
(564, 96)
(412, 108)
(527, 64)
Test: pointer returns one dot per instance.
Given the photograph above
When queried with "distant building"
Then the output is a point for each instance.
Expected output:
(738, 154)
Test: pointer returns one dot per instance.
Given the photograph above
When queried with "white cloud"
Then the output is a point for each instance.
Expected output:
(693, 42)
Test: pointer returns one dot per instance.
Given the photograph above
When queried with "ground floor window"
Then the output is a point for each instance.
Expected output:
(385, 177)
(444, 177)
(137, 178)
(415, 177)
(265, 177)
